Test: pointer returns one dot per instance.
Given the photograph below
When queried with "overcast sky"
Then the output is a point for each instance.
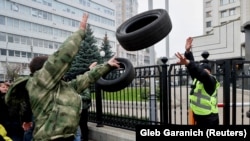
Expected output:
(187, 20)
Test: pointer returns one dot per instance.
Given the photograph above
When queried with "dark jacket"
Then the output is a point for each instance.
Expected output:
(10, 118)
(200, 74)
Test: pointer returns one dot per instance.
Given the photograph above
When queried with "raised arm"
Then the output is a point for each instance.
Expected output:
(59, 62)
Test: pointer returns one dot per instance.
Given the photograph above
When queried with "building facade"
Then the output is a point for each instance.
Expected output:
(222, 30)
(38, 27)
(222, 36)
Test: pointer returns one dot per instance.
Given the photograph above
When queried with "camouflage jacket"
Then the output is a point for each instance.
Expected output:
(56, 104)
(86, 98)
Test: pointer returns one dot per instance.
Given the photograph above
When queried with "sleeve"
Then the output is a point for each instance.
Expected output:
(83, 81)
(200, 74)
(59, 62)
(27, 113)
(78, 73)
(189, 55)
(86, 95)
(86, 98)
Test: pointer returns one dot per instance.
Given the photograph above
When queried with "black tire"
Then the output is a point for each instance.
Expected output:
(144, 30)
(118, 83)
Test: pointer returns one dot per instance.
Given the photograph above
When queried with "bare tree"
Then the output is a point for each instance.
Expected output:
(13, 71)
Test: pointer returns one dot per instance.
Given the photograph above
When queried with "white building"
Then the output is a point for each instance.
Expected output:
(222, 37)
(38, 27)
(222, 33)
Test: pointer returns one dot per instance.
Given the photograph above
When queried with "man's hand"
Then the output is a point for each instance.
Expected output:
(92, 65)
(83, 23)
(182, 59)
(27, 125)
(189, 44)
(113, 62)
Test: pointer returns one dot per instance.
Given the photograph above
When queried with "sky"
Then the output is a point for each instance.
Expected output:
(187, 20)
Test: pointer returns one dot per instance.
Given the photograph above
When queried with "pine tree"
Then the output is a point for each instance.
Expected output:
(106, 48)
(87, 54)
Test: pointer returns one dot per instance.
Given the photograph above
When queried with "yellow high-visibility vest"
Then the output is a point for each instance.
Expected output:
(201, 102)
(3, 133)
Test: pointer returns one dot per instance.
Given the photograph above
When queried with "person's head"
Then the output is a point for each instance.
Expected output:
(4, 87)
(206, 67)
(37, 63)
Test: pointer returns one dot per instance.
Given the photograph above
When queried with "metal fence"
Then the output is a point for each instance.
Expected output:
(159, 95)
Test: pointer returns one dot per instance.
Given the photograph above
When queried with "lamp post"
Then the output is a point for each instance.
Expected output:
(102, 54)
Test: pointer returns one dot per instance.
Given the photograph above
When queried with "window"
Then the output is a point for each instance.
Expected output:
(10, 38)
(231, 1)
(29, 54)
(34, 12)
(3, 52)
(40, 43)
(2, 36)
(23, 40)
(208, 4)
(208, 14)
(11, 52)
(35, 42)
(29, 41)
(17, 53)
(232, 12)
(24, 54)
(27, 26)
(16, 39)
(35, 54)
(51, 45)
(10, 22)
(16, 23)
(224, 2)
(46, 44)
(56, 45)
(2, 20)
(15, 7)
(224, 14)
(208, 24)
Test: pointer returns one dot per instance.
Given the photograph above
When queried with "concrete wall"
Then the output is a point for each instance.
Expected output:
(107, 133)
(224, 43)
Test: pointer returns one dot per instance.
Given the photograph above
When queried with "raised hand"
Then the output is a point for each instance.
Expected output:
(189, 44)
(92, 65)
(182, 59)
(113, 62)
(83, 23)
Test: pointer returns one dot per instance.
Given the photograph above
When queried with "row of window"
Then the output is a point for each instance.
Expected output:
(10, 38)
(224, 13)
(16, 53)
(30, 41)
(225, 2)
(28, 27)
(49, 16)
(73, 10)
(222, 2)
(44, 2)
(229, 12)
(78, 12)
(97, 6)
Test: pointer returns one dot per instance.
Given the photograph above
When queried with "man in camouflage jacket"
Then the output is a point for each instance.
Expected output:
(56, 104)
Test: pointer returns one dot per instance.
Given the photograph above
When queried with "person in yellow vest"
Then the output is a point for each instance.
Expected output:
(3, 134)
(203, 96)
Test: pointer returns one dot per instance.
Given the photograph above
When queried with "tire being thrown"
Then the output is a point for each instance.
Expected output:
(144, 30)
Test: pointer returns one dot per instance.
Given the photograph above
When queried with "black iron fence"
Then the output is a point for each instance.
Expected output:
(159, 95)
